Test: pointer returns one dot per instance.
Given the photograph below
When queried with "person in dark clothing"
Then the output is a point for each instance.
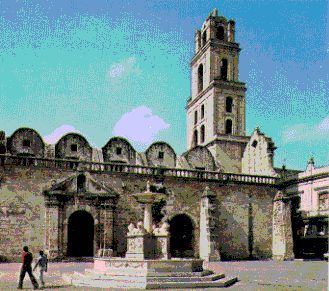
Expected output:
(27, 267)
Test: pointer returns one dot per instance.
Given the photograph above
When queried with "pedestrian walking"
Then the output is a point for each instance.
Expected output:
(42, 263)
(27, 259)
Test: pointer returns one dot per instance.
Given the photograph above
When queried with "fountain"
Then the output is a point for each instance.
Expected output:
(147, 264)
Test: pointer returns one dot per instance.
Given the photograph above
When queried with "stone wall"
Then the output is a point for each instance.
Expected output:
(22, 214)
(258, 155)
(154, 151)
(34, 147)
(64, 150)
(125, 154)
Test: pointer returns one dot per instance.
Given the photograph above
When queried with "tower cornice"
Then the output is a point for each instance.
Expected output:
(220, 84)
(215, 44)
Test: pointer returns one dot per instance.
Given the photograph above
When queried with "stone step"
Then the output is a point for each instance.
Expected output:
(224, 282)
(140, 283)
(99, 274)
(143, 277)
(170, 279)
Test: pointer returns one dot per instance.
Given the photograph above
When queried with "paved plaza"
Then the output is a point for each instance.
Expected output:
(253, 275)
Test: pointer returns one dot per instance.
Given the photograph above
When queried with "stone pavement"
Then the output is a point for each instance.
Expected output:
(253, 275)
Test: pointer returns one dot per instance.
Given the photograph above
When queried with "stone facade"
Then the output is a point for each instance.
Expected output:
(258, 155)
(38, 201)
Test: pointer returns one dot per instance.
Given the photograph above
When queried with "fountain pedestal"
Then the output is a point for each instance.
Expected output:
(141, 245)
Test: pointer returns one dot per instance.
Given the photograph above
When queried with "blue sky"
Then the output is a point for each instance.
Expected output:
(106, 68)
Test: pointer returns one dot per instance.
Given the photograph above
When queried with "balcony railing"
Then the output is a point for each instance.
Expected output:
(135, 169)
(314, 213)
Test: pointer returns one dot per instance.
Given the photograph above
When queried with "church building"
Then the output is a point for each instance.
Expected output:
(224, 199)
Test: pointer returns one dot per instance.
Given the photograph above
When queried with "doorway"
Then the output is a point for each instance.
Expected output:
(182, 236)
(80, 235)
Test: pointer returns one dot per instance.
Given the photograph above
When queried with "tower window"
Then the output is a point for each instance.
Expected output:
(228, 126)
(229, 104)
(74, 147)
(202, 111)
(204, 38)
(220, 33)
(195, 117)
(223, 70)
(26, 143)
(195, 138)
(200, 78)
(119, 151)
(254, 143)
(161, 155)
(202, 133)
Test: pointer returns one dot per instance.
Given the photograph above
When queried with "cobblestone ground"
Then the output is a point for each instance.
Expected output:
(253, 275)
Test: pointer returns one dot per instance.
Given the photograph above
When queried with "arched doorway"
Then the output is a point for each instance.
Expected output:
(182, 236)
(80, 235)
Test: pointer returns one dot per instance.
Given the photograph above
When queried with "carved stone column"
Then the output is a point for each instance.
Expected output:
(61, 215)
(52, 227)
(208, 240)
(106, 216)
(282, 244)
(65, 235)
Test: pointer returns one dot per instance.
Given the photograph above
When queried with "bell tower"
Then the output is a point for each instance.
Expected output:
(216, 108)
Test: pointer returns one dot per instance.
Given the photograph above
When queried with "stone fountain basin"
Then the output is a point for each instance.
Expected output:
(149, 197)
(111, 265)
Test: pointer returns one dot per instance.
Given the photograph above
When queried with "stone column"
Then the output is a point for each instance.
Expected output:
(52, 226)
(208, 240)
(107, 221)
(282, 244)
(61, 214)
(65, 235)
(148, 217)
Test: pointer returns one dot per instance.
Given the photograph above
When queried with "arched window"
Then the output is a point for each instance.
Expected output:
(204, 38)
(220, 33)
(229, 104)
(81, 179)
(202, 111)
(228, 126)
(195, 138)
(200, 78)
(202, 133)
(195, 117)
(223, 70)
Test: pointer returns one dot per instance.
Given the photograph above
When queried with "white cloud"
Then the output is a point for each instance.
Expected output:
(59, 132)
(116, 70)
(140, 127)
(306, 131)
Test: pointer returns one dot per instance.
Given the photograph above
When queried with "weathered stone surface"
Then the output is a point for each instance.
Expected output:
(282, 230)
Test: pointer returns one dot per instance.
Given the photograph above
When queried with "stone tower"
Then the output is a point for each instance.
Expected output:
(216, 109)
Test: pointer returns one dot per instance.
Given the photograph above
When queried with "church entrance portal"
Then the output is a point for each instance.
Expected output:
(182, 236)
(80, 235)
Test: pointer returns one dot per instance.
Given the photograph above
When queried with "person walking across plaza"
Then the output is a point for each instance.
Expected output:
(43, 267)
(27, 267)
